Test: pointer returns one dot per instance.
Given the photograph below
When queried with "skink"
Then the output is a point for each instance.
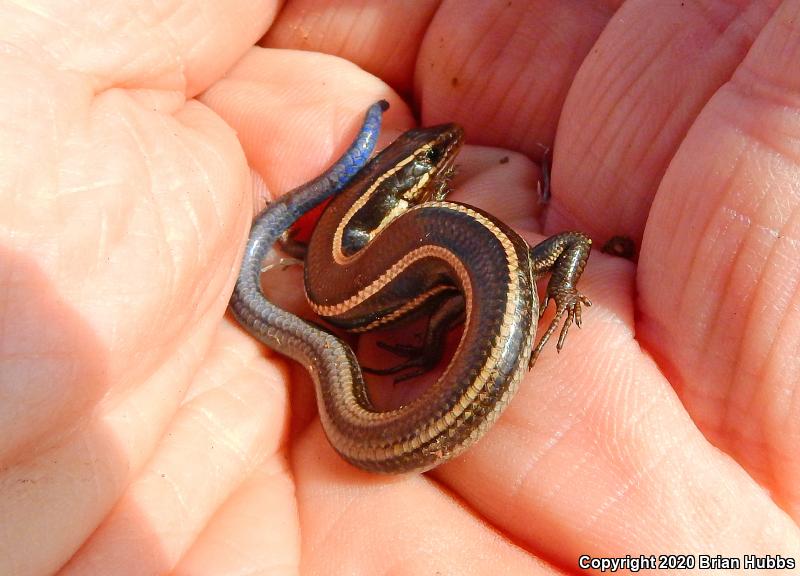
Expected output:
(386, 249)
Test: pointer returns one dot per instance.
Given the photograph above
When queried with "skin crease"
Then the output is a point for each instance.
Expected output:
(142, 432)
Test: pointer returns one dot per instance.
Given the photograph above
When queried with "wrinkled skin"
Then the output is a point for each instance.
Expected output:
(143, 432)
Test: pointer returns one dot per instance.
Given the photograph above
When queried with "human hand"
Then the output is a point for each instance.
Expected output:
(143, 432)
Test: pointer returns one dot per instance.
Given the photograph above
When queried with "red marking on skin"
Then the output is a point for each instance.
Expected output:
(302, 229)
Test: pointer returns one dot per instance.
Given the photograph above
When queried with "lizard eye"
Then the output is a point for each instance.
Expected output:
(433, 154)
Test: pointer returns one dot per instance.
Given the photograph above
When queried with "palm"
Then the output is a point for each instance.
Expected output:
(143, 432)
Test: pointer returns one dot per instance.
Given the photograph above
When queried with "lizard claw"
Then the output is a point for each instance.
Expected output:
(568, 303)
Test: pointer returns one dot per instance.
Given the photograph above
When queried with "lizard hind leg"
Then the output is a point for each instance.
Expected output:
(424, 357)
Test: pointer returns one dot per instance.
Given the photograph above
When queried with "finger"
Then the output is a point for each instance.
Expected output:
(253, 532)
(78, 223)
(103, 193)
(633, 102)
(392, 521)
(233, 421)
(86, 469)
(503, 70)
(365, 33)
(121, 258)
(294, 112)
(719, 276)
(500, 181)
(595, 455)
(181, 47)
